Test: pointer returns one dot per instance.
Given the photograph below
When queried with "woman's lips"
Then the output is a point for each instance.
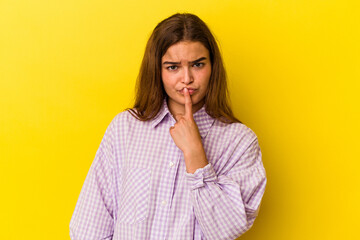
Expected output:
(191, 91)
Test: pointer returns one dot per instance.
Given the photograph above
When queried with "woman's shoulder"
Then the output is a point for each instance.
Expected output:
(235, 130)
(127, 120)
(125, 117)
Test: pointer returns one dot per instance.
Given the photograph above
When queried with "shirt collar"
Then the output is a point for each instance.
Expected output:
(164, 111)
(203, 120)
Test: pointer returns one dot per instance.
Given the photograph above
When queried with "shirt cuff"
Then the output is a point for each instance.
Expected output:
(200, 176)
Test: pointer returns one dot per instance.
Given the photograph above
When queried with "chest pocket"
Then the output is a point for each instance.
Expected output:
(134, 207)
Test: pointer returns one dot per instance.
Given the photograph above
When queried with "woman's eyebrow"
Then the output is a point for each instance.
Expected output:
(172, 63)
(192, 62)
(198, 60)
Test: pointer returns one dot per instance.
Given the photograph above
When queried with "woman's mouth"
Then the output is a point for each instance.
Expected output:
(191, 91)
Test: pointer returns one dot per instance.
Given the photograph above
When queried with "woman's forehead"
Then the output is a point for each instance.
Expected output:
(186, 51)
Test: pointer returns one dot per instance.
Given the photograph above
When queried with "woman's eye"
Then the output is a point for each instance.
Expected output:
(198, 65)
(172, 68)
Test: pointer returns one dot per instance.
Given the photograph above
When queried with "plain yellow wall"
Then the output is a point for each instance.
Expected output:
(68, 67)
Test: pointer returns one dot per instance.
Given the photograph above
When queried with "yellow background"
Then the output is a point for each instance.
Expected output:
(68, 67)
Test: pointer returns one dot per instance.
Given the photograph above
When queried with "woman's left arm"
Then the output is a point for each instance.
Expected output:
(226, 205)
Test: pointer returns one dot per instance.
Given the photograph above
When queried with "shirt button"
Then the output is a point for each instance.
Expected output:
(171, 164)
(163, 202)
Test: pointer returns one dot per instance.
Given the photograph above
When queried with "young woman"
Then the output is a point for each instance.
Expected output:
(178, 165)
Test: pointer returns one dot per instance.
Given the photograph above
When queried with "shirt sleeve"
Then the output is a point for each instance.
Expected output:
(93, 215)
(226, 205)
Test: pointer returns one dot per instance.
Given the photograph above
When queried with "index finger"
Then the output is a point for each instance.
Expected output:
(188, 103)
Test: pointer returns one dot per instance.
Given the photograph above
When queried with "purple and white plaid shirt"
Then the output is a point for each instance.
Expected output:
(138, 187)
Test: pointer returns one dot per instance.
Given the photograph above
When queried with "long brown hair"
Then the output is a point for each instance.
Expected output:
(150, 92)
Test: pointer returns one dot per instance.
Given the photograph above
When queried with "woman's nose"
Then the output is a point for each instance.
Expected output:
(187, 76)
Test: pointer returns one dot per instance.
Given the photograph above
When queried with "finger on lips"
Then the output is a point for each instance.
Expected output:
(188, 103)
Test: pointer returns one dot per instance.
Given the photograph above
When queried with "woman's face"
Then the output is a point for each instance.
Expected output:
(185, 64)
